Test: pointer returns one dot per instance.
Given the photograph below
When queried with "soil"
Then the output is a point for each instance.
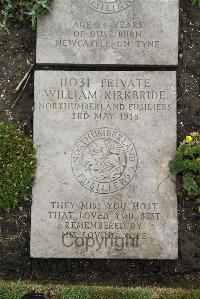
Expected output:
(17, 53)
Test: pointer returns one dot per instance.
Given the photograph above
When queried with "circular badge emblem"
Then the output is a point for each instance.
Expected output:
(108, 6)
(104, 160)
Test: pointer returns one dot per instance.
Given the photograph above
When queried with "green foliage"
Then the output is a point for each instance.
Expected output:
(21, 10)
(187, 163)
(11, 291)
(196, 2)
(17, 165)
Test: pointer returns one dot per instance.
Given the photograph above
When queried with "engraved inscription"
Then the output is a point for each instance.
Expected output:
(104, 160)
(103, 189)
(108, 6)
(109, 32)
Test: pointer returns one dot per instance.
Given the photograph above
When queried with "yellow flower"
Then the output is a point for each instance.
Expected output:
(188, 139)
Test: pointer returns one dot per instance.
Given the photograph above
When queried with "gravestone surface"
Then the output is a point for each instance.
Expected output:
(127, 32)
(103, 187)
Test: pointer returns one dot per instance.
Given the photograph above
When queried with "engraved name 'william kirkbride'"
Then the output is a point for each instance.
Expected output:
(138, 93)
(118, 89)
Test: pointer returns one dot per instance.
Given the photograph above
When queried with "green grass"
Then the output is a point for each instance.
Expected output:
(103, 293)
(21, 10)
(17, 165)
(196, 2)
(11, 290)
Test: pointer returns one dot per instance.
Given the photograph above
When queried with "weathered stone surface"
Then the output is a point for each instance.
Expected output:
(103, 187)
(133, 32)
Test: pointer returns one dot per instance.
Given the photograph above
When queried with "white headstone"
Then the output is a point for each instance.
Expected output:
(103, 187)
(128, 32)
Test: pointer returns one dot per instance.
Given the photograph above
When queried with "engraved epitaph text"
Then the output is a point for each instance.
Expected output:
(128, 32)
